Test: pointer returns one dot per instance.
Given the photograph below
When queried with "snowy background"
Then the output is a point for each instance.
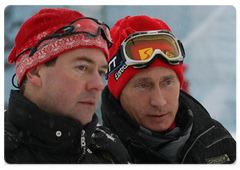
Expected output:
(207, 32)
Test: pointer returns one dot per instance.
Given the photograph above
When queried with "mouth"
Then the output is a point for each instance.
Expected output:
(157, 117)
(161, 115)
(88, 102)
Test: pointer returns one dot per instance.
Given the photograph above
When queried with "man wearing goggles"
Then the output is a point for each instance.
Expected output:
(144, 105)
(60, 60)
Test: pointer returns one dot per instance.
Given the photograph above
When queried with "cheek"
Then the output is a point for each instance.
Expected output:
(133, 104)
(61, 85)
(173, 100)
(99, 94)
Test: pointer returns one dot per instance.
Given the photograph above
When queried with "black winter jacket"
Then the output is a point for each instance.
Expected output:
(208, 140)
(34, 136)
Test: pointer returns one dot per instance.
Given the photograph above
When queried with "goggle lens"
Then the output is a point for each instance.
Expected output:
(92, 26)
(142, 48)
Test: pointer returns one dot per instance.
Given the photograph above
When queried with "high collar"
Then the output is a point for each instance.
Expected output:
(48, 132)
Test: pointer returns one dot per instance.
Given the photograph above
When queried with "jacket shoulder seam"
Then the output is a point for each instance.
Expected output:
(216, 141)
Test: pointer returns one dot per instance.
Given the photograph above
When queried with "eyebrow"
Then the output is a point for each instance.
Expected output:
(142, 79)
(84, 58)
(168, 77)
(148, 79)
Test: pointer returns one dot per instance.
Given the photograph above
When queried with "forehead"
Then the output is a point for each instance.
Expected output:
(154, 73)
(93, 54)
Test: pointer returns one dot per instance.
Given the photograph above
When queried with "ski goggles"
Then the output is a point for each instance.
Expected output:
(87, 25)
(140, 48)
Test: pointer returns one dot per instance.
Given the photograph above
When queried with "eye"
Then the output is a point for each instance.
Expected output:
(168, 82)
(82, 67)
(102, 73)
(143, 85)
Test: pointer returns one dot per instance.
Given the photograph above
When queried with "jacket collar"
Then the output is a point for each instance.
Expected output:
(202, 120)
(48, 132)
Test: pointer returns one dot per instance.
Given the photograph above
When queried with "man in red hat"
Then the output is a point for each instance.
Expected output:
(60, 58)
(144, 105)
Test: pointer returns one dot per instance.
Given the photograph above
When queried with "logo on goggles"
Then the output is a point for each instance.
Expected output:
(145, 53)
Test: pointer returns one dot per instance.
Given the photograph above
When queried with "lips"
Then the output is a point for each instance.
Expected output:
(88, 102)
(157, 117)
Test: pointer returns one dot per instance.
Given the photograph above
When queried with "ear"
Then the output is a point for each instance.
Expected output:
(34, 76)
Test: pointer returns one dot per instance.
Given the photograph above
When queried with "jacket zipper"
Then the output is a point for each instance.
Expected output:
(196, 141)
(83, 146)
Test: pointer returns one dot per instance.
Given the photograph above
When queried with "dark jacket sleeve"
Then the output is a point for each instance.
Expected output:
(217, 146)
(107, 141)
(11, 135)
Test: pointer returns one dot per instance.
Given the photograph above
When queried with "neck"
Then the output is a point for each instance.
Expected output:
(170, 128)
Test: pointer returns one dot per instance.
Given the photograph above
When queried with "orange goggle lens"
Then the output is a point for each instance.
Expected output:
(142, 48)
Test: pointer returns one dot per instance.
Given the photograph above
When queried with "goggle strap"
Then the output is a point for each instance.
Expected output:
(115, 63)
(181, 48)
(103, 34)
(16, 86)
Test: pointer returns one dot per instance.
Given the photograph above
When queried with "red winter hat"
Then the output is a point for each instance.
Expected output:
(119, 32)
(41, 25)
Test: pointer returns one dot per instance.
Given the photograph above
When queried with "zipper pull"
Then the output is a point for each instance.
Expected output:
(83, 142)
(83, 146)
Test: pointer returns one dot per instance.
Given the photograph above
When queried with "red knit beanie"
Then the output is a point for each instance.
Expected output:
(119, 32)
(41, 25)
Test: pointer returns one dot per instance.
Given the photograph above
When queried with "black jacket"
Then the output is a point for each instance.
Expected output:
(34, 136)
(205, 140)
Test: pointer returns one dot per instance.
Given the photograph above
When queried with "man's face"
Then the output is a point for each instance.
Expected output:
(72, 87)
(151, 98)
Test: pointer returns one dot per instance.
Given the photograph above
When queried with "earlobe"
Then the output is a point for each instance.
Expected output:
(34, 76)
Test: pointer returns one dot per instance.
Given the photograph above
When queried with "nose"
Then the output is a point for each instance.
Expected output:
(157, 98)
(95, 82)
